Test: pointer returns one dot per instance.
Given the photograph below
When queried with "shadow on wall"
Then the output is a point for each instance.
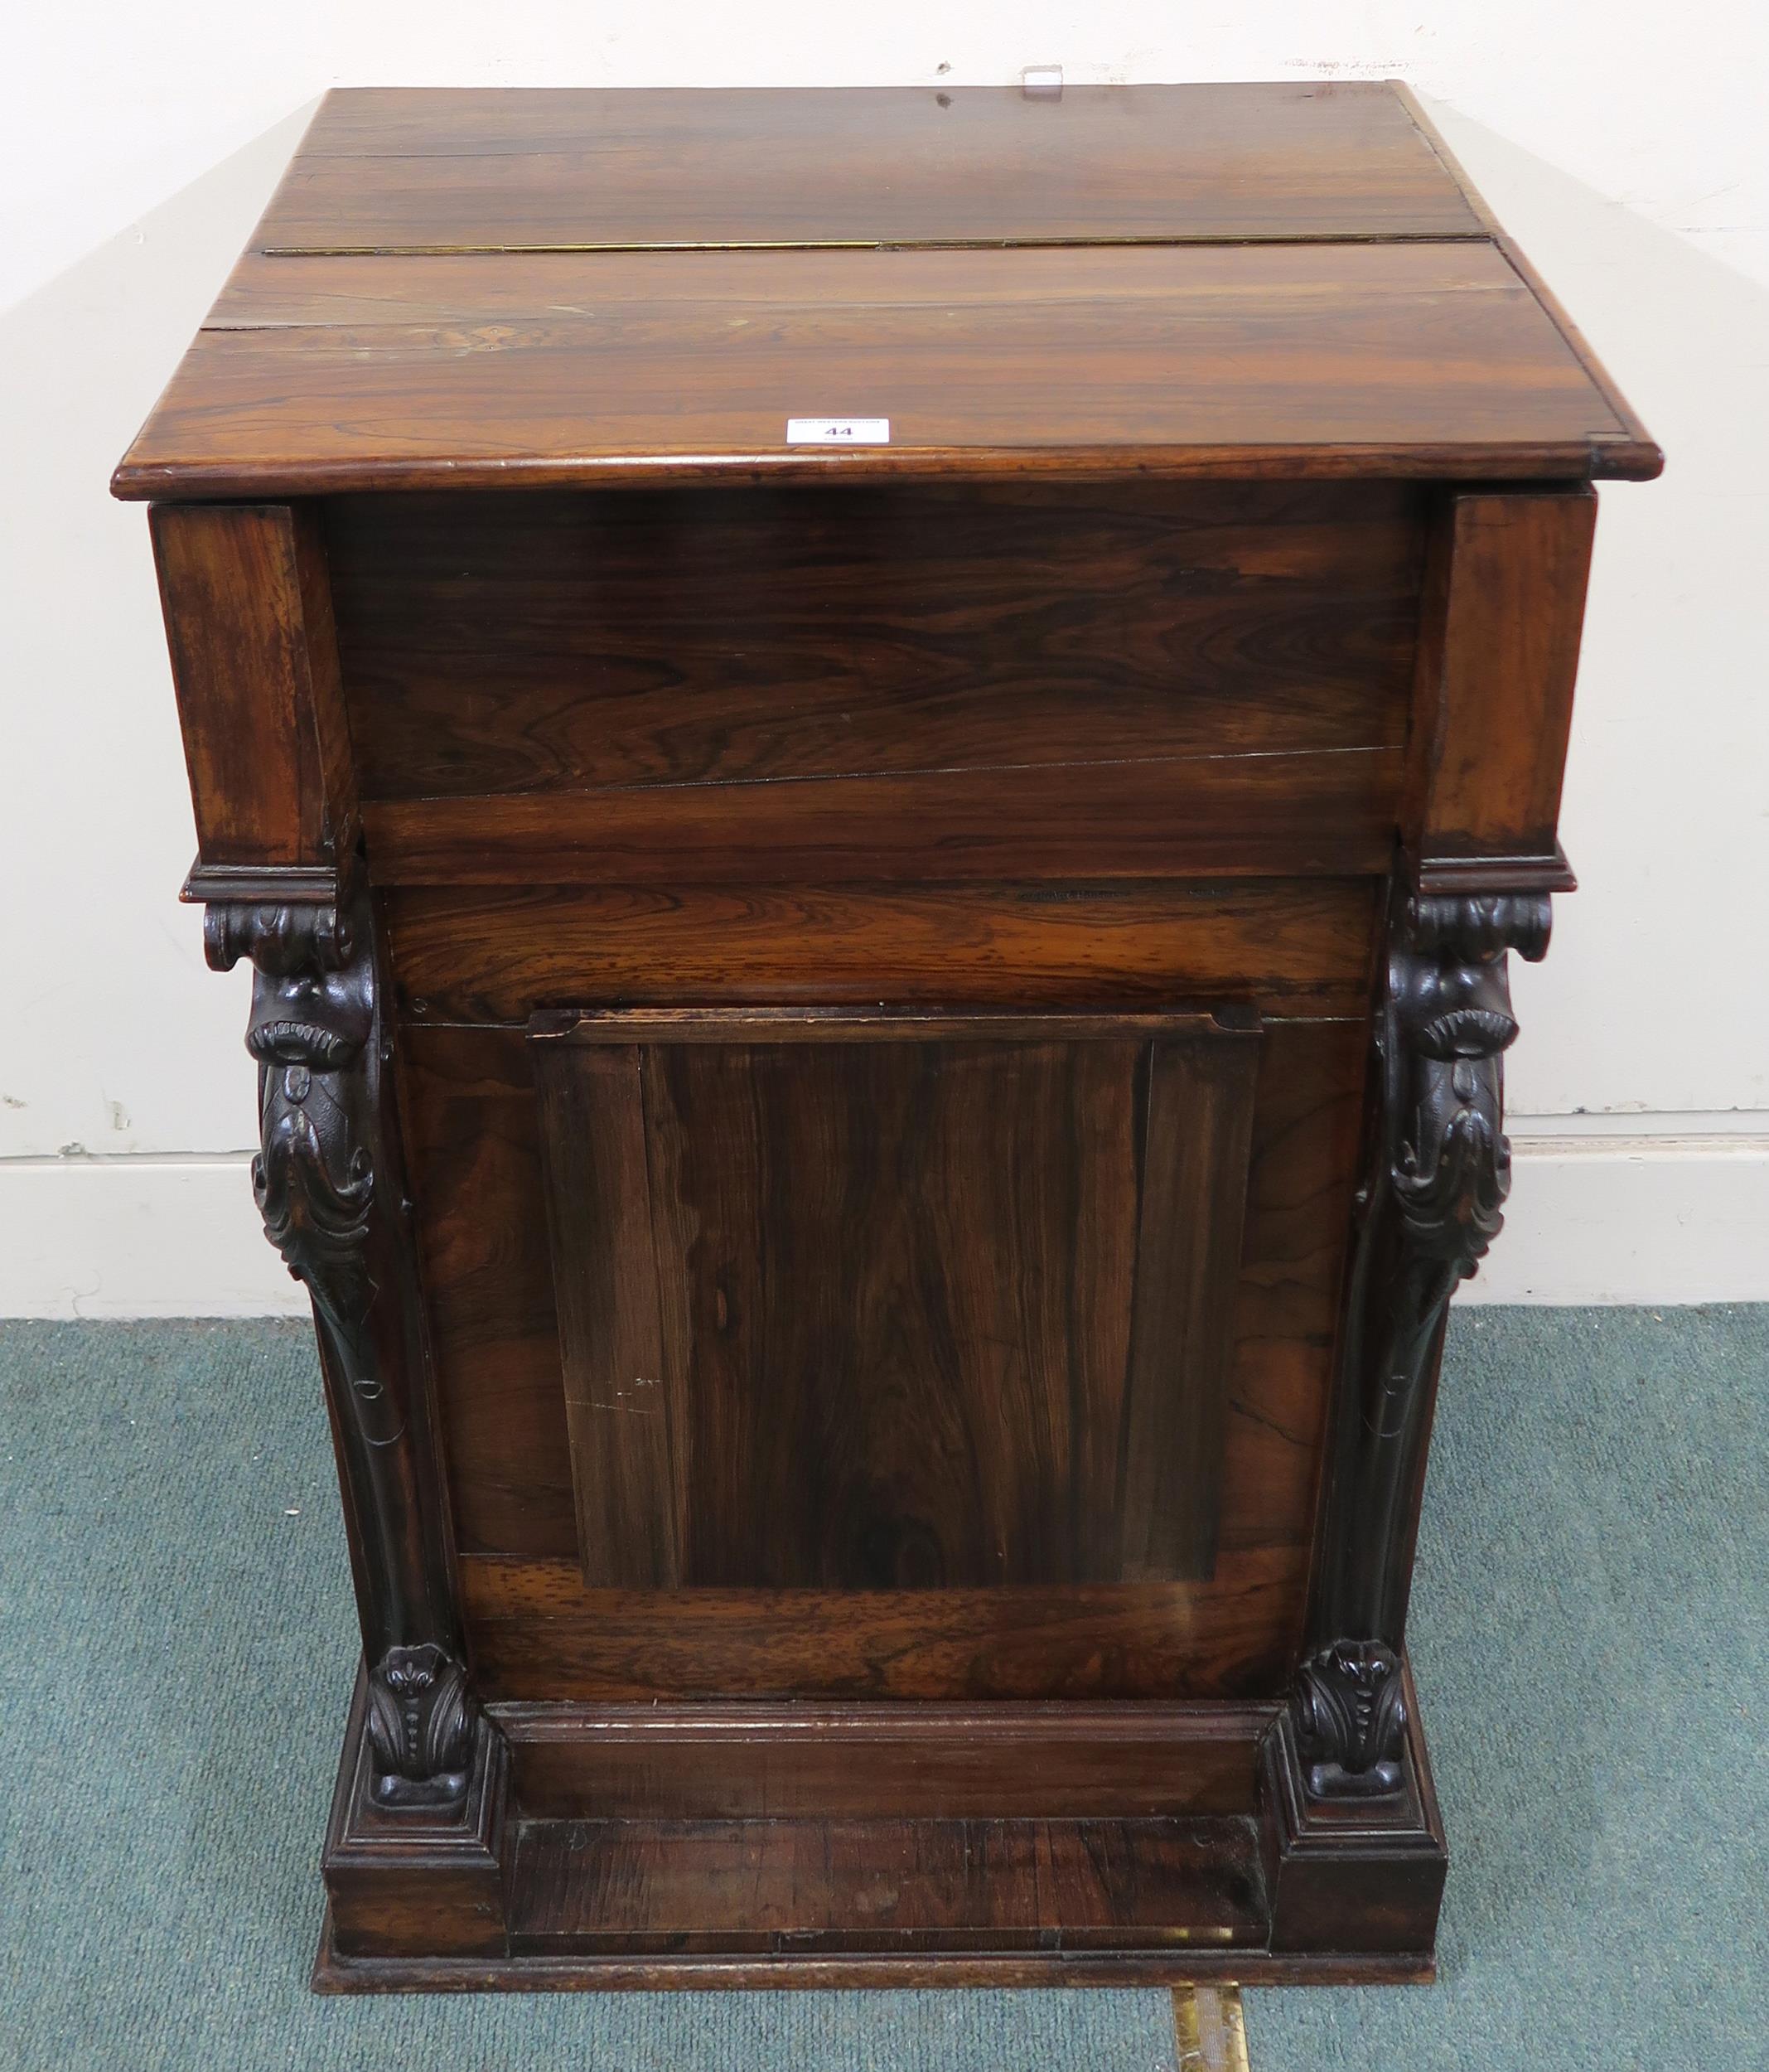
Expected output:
(1664, 795)
(118, 1039)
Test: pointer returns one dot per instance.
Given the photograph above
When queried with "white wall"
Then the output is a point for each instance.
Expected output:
(1620, 144)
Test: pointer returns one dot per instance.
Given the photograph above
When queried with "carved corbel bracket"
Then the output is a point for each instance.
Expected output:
(1431, 1204)
(313, 1012)
(329, 1185)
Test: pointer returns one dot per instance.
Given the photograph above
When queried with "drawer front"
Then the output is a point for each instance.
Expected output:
(779, 685)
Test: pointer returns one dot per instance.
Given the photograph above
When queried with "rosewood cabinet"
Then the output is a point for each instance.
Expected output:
(879, 1037)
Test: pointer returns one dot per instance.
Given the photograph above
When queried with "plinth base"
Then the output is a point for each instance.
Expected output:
(496, 1898)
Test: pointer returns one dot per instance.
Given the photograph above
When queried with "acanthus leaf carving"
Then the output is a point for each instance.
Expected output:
(421, 1726)
(321, 1188)
(1351, 1719)
(1433, 1205)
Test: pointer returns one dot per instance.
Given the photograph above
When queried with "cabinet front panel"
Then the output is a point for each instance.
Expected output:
(1004, 750)
(894, 1301)
(538, 1631)
(546, 643)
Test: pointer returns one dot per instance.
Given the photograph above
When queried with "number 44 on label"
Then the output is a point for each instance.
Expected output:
(838, 431)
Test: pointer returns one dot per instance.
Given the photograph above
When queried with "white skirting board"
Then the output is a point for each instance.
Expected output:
(1641, 1219)
(1645, 1219)
(137, 1237)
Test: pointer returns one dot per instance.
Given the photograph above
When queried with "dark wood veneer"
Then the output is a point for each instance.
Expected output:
(800, 1760)
(248, 623)
(692, 1888)
(519, 171)
(1280, 815)
(699, 636)
(1293, 949)
(881, 1060)
(984, 1262)
(537, 1631)
(1304, 361)
(475, 1133)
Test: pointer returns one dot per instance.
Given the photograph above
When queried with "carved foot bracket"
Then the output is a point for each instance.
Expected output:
(1350, 1718)
(1356, 1871)
(329, 1178)
(1438, 1175)
(421, 1726)
(427, 1875)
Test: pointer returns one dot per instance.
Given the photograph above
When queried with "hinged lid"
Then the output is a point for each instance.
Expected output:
(459, 288)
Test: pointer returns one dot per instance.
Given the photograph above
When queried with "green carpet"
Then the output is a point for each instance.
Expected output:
(1589, 1632)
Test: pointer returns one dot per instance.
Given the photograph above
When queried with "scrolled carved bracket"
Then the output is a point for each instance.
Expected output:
(313, 1012)
(1431, 1205)
(327, 1185)
(1447, 1024)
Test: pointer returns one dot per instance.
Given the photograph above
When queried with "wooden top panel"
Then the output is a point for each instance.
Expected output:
(1222, 281)
(427, 171)
(335, 374)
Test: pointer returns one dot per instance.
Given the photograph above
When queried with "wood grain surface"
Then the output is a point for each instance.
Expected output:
(556, 642)
(797, 1760)
(480, 1219)
(895, 1300)
(1230, 361)
(248, 626)
(1498, 658)
(538, 1633)
(1027, 1885)
(1279, 816)
(391, 170)
(479, 289)
(474, 1141)
(1289, 947)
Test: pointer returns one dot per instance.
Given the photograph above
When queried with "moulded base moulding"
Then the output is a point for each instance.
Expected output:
(1216, 1970)
(638, 1873)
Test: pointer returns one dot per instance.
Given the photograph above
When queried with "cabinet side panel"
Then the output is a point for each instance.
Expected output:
(1504, 608)
(247, 603)
(896, 1282)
